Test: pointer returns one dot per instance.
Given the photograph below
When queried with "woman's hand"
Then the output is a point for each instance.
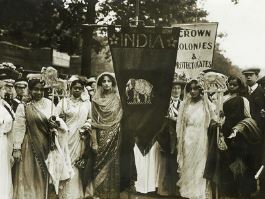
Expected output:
(93, 140)
(94, 146)
(17, 155)
(53, 122)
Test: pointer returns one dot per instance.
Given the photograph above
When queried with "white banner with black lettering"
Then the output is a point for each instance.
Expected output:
(195, 48)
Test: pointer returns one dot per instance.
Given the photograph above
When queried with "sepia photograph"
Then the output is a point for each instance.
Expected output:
(132, 99)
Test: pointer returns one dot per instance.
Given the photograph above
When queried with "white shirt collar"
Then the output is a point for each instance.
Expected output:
(253, 87)
(174, 98)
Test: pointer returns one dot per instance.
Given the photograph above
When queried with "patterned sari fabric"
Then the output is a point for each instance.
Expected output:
(107, 163)
(106, 116)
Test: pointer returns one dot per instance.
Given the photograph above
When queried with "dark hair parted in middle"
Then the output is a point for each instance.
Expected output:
(242, 89)
(77, 81)
(194, 81)
(33, 82)
(112, 79)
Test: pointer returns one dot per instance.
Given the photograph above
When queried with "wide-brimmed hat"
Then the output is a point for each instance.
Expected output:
(180, 79)
(32, 76)
(8, 73)
(179, 82)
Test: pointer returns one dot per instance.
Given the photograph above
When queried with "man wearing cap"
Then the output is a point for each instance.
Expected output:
(256, 97)
(21, 90)
(10, 91)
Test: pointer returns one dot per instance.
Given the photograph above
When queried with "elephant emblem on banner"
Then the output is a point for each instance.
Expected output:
(138, 91)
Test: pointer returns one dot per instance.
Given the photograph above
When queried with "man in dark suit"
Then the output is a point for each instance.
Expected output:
(256, 97)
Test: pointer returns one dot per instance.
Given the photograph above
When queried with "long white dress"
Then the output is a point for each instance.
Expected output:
(195, 143)
(147, 169)
(6, 188)
(77, 114)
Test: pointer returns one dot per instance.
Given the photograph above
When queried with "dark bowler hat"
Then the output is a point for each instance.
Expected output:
(251, 70)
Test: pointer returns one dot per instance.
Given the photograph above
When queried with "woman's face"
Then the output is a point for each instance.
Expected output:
(176, 91)
(37, 92)
(233, 86)
(194, 91)
(77, 90)
(106, 83)
(2, 92)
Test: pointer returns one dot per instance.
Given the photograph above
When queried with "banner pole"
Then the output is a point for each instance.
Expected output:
(137, 12)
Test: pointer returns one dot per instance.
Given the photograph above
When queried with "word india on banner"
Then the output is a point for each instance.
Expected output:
(195, 48)
(144, 61)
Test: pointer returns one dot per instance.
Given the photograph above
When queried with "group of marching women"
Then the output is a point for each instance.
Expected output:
(71, 149)
(213, 149)
(219, 150)
(75, 145)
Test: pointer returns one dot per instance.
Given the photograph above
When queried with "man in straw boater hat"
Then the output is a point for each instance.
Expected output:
(256, 97)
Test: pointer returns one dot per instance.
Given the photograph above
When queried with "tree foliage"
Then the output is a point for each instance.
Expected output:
(57, 23)
(42, 23)
(223, 64)
(152, 12)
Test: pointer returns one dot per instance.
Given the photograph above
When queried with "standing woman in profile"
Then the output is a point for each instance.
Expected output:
(106, 116)
(37, 151)
(6, 121)
(193, 121)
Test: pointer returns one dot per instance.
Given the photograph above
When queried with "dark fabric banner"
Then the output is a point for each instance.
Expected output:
(144, 60)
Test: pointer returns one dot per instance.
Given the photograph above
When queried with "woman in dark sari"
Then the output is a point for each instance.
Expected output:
(232, 169)
(40, 155)
(106, 116)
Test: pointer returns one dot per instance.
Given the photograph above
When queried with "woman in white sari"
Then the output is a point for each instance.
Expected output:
(6, 121)
(192, 124)
(76, 112)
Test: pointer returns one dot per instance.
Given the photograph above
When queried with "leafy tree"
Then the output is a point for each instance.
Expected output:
(223, 64)
(154, 11)
(57, 23)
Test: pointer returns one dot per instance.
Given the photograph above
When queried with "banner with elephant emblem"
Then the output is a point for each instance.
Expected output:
(144, 61)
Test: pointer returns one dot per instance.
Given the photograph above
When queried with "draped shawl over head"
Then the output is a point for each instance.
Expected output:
(182, 120)
(106, 109)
